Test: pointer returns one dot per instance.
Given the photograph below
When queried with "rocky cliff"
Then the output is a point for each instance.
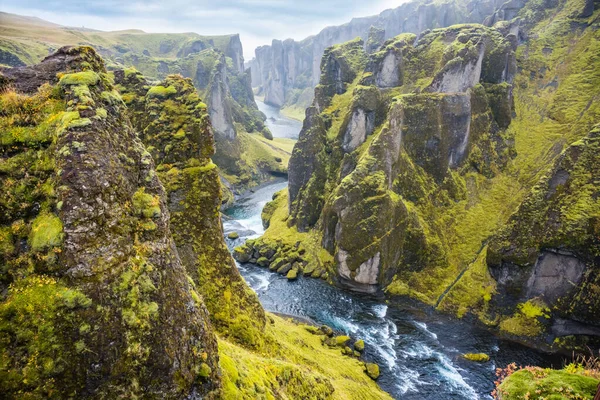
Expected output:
(547, 256)
(285, 73)
(96, 301)
(413, 158)
(174, 125)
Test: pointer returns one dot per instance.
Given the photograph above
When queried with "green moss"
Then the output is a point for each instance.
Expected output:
(102, 113)
(161, 91)
(79, 123)
(79, 78)
(36, 332)
(111, 97)
(341, 340)
(204, 371)
(477, 357)
(292, 274)
(372, 370)
(527, 320)
(46, 231)
(82, 92)
(537, 383)
(359, 345)
(145, 204)
(7, 246)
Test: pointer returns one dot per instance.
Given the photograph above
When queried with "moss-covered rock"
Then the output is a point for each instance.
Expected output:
(372, 370)
(477, 357)
(179, 136)
(99, 304)
(359, 345)
(539, 383)
(292, 275)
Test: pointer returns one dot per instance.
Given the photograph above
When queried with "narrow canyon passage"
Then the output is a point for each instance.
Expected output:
(419, 350)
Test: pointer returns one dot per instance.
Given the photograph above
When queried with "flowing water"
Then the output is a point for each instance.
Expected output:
(279, 125)
(419, 350)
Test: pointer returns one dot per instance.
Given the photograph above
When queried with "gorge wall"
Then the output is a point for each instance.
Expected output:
(457, 167)
(286, 72)
(90, 271)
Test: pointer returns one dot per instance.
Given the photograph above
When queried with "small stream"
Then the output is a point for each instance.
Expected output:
(419, 350)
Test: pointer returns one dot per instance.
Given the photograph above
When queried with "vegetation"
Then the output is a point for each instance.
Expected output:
(297, 366)
(572, 382)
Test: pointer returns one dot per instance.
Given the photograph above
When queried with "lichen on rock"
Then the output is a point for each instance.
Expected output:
(178, 134)
(86, 287)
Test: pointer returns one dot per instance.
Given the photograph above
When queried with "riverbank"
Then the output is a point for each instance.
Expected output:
(418, 349)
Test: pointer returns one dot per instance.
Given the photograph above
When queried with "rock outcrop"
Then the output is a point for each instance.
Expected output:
(96, 301)
(175, 126)
(285, 69)
(219, 108)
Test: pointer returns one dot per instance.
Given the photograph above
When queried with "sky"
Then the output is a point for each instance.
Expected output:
(257, 21)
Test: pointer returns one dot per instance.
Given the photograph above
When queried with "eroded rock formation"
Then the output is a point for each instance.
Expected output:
(96, 300)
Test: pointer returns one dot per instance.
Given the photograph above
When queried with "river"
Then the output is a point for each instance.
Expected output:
(280, 125)
(419, 350)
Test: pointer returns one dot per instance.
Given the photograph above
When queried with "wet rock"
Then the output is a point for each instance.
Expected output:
(283, 270)
(359, 345)
(292, 275)
(241, 254)
(372, 370)
(477, 357)
(326, 330)
(263, 262)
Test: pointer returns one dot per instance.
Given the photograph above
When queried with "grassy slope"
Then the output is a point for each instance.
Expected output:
(258, 153)
(299, 367)
(537, 383)
(35, 37)
(293, 112)
(547, 121)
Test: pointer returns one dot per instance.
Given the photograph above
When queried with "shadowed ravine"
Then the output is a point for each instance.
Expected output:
(419, 350)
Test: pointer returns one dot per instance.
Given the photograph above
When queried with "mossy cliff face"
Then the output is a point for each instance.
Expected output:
(96, 301)
(353, 171)
(407, 169)
(549, 251)
(174, 124)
